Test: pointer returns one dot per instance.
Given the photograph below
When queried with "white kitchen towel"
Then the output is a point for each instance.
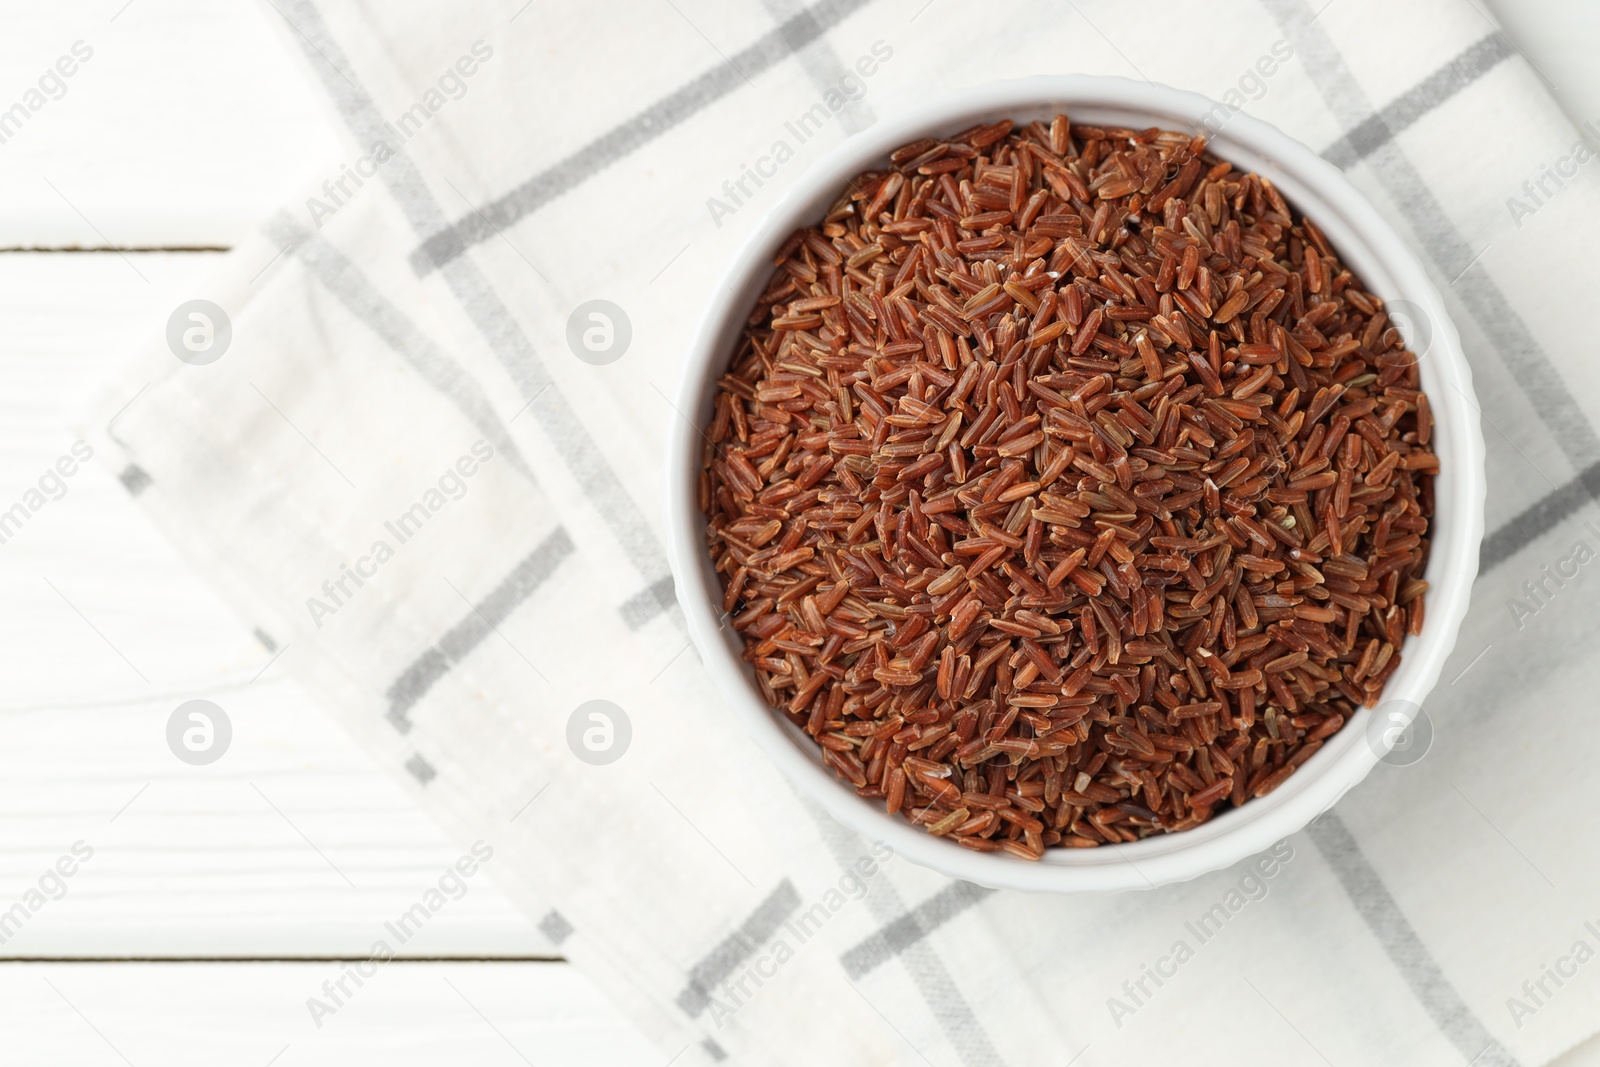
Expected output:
(450, 526)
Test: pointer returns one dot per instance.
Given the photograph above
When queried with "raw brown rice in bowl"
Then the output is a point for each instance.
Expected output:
(1066, 488)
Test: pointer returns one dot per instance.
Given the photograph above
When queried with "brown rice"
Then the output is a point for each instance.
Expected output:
(1066, 487)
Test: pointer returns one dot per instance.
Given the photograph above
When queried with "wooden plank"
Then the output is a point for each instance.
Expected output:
(186, 123)
(248, 856)
(404, 1014)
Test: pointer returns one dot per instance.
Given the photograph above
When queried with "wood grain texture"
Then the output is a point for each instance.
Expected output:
(186, 124)
(178, 1014)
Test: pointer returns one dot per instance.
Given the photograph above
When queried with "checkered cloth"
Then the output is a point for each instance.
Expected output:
(416, 478)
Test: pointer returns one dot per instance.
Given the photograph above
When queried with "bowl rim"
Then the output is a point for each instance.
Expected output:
(1365, 241)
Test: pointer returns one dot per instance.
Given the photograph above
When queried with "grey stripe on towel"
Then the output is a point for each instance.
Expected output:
(721, 962)
(466, 635)
(450, 242)
(543, 400)
(1405, 949)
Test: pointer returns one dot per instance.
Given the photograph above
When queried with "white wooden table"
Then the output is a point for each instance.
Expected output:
(218, 899)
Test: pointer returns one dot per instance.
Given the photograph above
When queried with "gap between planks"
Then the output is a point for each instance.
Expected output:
(6, 960)
(116, 249)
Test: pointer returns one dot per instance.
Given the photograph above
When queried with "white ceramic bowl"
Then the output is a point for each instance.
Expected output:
(1365, 242)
